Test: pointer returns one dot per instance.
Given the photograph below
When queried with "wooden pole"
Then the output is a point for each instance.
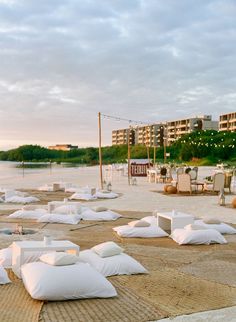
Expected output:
(128, 142)
(164, 150)
(154, 156)
(148, 155)
(100, 148)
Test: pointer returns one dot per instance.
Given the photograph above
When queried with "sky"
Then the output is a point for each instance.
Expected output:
(63, 61)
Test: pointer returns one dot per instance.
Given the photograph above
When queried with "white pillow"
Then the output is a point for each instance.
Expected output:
(198, 237)
(4, 279)
(28, 214)
(6, 257)
(18, 199)
(121, 264)
(107, 249)
(105, 195)
(211, 221)
(221, 228)
(67, 210)
(99, 209)
(58, 283)
(195, 227)
(89, 214)
(143, 232)
(139, 223)
(60, 219)
(59, 258)
(150, 219)
(82, 196)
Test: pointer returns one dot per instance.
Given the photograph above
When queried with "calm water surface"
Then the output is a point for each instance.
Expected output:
(14, 169)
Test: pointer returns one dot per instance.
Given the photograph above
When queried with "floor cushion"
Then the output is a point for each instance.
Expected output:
(18, 199)
(106, 195)
(59, 258)
(28, 214)
(197, 237)
(121, 264)
(89, 214)
(58, 283)
(82, 196)
(142, 232)
(107, 249)
(60, 219)
(221, 228)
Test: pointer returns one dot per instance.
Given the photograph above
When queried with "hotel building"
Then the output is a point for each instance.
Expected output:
(150, 135)
(227, 122)
(176, 129)
(120, 137)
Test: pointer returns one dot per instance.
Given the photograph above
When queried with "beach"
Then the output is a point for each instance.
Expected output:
(182, 279)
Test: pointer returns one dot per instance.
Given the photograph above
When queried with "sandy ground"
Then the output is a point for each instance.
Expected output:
(182, 279)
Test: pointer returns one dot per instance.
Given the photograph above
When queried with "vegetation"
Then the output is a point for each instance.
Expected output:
(200, 148)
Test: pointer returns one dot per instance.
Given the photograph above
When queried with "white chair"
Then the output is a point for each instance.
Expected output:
(217, 184)
(184, 183)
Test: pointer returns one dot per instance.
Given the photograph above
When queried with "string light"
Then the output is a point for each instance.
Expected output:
(116, 118)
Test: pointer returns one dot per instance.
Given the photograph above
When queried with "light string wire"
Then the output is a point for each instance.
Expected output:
(116, 118)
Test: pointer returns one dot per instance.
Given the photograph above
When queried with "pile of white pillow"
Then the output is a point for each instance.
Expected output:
(144, 228)
(206, 231)
(57, 276)
(65, 214)
(14, 196)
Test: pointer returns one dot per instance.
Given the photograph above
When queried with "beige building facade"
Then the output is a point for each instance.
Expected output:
(176, 129)
(120, 137)
(227, 122)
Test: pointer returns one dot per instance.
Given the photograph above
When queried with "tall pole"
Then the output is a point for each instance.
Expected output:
(128, 141)
(154, 155)
(164, 149)
(100, 148)
(148, 155)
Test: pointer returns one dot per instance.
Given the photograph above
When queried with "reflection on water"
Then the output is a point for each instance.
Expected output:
(10, 169)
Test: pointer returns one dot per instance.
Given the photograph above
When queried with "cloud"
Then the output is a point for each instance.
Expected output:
(150, 60)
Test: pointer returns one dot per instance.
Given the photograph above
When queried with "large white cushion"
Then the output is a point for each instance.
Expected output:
(82, 196)
(89, 214)
(221, 228)
(107, 249)
(28, 214)
(194, 227)
(58, 283)
(18, 199)
(152, 220)
(3, 276)
(121, 264)
(67, 210)
(60, 219)
(198, 237)
(105, 195)
(139, 223)
(143, 232)
(99, 209)
(59, 258)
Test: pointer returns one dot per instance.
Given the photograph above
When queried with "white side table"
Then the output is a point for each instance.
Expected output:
(20, 248)
(169, 221)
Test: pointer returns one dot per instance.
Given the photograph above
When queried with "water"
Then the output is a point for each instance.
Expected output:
(10, 170)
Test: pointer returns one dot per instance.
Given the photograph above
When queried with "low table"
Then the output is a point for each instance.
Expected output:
(21, 247)
(169, 221)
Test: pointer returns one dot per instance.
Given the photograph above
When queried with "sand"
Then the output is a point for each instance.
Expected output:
(182, 279)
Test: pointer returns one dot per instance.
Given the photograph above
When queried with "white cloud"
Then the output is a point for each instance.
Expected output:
(63, 61)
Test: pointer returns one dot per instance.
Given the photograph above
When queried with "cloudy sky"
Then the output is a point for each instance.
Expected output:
(63, 61)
